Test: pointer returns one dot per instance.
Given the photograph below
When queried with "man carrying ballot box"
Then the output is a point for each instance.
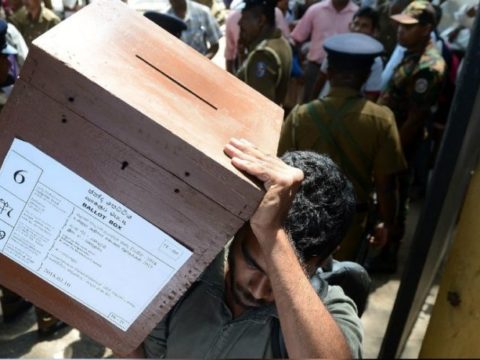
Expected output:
(262, 296)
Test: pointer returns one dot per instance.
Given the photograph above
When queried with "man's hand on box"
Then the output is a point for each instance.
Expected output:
(280, 180)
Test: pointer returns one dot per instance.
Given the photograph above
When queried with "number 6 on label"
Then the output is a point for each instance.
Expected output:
(18, 176)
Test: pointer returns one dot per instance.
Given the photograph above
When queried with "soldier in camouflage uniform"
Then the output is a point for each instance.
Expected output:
(268, 65)
(411, 94)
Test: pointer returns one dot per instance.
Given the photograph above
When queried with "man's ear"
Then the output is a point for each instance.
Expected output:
(313, 264)
(262, 20)
(427, 29)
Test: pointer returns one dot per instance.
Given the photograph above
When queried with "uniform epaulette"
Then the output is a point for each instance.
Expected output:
(18, 16)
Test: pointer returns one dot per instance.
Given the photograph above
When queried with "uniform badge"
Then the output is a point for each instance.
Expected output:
(260, 69)
(421, 85)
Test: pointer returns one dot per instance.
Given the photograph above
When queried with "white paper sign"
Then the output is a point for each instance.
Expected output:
(79, 239)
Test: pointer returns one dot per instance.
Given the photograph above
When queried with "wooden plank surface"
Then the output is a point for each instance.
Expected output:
(107, 87)
(143, 77)
(199, 223)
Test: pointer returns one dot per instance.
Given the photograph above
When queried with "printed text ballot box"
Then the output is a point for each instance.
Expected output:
(115, 193)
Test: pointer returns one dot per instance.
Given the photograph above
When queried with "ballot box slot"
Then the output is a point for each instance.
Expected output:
(176, 82)
(125, 164)
(182, 175)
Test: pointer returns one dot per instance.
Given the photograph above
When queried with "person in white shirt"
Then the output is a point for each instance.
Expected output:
(365, 21)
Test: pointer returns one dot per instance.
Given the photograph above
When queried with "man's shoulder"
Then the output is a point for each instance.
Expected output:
(279, 39)
(307, 110)
(344, 312)
(198, 8)
(432, 60)
(429, 73)
(377, 111)
(300, 119)
(233, 18)
(263, 67)
(320, 6)
(352, 7)
(314, 109)
(336, 294)
(49, 15)
(279, 45)
(369, 110)
(19, 17)
(263, 52)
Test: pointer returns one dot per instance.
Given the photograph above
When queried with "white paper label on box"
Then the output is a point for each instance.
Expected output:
(80, 240)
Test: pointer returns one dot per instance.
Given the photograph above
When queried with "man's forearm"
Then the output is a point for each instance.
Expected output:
(230, 66)
(319, 84)
(212, 50)
(412, 127)
(387, 201)
(308, 328)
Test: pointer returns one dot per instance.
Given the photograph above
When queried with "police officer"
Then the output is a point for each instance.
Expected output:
(268, 64)
(359, 135)
(172, 24)
(411, 94)
(33, 19)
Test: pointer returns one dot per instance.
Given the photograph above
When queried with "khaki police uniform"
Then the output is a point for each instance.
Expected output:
(31, 29)
(268, 66)
(359, 135)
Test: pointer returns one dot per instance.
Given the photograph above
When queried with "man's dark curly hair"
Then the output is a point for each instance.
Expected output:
(323, 207)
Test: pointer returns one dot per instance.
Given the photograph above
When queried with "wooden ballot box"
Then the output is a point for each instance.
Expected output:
(115, 193)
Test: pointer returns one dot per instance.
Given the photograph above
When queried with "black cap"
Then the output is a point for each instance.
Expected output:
(169, 23)
(264, 3)
(352, 50)
(6, 49)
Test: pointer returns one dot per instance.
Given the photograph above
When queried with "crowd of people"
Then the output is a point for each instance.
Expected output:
(375, 100)
(379, 115)
(367, 84)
